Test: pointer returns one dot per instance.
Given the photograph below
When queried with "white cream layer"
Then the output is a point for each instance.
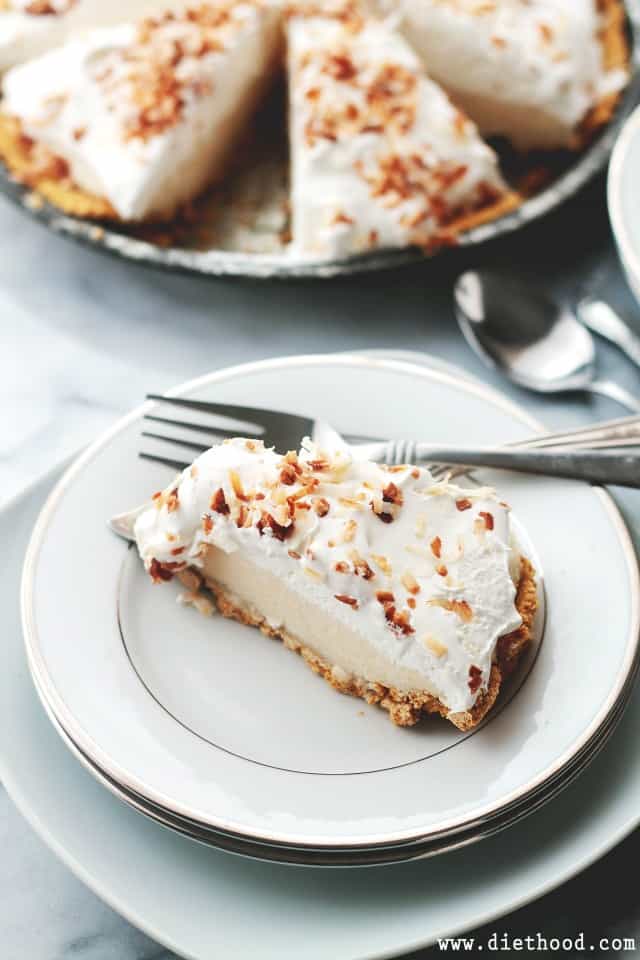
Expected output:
(445, 556)
(77, 101)
(337, 206)
(24, 35)
(526, 69)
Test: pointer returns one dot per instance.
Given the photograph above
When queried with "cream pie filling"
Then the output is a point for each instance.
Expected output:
(379, 155)
(529, 71)
(29, 28)
(144, 114)
(383, 573)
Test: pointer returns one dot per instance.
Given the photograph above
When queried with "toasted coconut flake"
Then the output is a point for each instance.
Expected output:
(321, 506)
(384, 596)
(392, 494)
(421, 525)
(288, 475)
(207, 523)
(410, 583)
(475, 678)
(488, 519)
(383, 562)
(460, 607)
(350, 601)
(276, 529)
(236, 485)
(349, 531)
(435, 646)
(219, 503)
(361, 567)
(350, 502)
(380, 512)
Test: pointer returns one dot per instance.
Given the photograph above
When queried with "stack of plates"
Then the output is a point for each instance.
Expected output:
(210, 729)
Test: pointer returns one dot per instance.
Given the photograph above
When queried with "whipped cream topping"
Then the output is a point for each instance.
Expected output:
(380, 157)
(140, 112)
(424, 570)
(29, 28)
(526, 69)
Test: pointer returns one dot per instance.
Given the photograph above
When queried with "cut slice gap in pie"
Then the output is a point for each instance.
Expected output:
(409, 593)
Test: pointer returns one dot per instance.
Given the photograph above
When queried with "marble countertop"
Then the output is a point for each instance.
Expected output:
(85, 336)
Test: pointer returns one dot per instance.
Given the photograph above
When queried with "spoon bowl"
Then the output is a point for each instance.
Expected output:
(517, 329)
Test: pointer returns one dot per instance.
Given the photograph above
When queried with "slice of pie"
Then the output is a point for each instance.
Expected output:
(133, 121)
(408, 593)
(530, 71)
(379, 155)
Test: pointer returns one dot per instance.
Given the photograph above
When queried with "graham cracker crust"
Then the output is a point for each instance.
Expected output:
(404, 709)
(47, 175)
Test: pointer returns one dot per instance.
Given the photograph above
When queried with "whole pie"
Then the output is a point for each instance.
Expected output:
(410, 593)
(388, 106)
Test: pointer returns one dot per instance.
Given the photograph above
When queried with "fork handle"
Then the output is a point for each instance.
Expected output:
(593, 466)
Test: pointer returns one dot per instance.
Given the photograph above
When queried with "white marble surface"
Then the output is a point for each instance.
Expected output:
(83, 337)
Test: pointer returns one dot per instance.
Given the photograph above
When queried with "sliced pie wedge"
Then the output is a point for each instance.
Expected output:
(406, 592)
(133, 121)
(379, 155)
(530, 71)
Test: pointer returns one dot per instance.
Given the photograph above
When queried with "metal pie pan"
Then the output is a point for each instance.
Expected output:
(228, 262)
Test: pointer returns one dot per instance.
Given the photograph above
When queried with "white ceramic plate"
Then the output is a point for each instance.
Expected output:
(623, 191)
(375, 857)
(202, 903)
(234, 732)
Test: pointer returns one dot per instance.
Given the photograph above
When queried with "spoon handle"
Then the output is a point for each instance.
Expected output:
(624, 430)
(619, 469)
(603, 320)
(607, 388)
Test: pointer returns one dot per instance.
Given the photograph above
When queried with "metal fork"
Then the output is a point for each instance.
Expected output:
(588, 453)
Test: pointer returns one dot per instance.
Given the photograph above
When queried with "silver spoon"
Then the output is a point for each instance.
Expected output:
(520, 331)
(602, 319)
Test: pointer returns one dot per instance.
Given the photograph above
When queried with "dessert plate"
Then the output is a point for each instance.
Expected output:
(216, 725)
(203, 902)
(375, 857)
(258, 194)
